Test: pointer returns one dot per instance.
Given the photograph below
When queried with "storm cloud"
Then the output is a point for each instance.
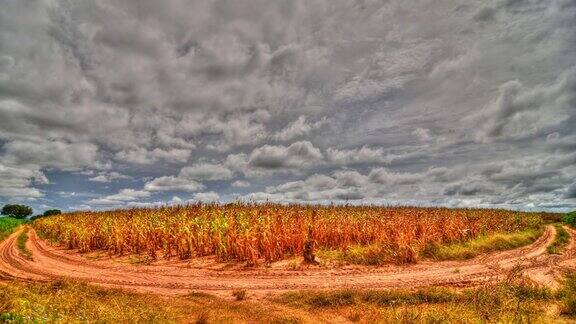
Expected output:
(456, 103)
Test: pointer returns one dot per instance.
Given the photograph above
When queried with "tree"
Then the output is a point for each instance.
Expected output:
(16, 211)
(52, 212)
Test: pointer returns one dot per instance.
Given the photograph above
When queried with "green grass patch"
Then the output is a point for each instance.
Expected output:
(21, 244)
(560, 241)
(482, 244)
(9, 225)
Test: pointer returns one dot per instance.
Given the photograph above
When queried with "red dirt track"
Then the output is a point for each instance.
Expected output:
(180, 277)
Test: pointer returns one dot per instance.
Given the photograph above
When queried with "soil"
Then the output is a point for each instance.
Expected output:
(169, 277)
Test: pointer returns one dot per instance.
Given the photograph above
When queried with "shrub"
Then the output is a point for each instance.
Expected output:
(570, 218)
(52, 212)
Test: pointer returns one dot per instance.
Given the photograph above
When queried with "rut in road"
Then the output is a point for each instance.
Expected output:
(50, 262)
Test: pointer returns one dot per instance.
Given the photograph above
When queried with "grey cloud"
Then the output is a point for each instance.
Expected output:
(52, 154)
(485, 14)
(342, 185)
(143, 156)
(469, 188)
(206, 172)
(383, 176)
(352, 156)
(298, 128)
(469, 104)
(240, 184)
(519, 112)
(570, 192)
(296, 155)
(17, 181)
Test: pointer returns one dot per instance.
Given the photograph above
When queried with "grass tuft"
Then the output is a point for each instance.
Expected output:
(339, 298)
(239, 294)
(21, 245)
(358, 254)
(482, 244)
(560, 241)
(202, 318)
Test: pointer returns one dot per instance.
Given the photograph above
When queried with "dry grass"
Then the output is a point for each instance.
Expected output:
(560, 241)
(495, 303)
(511, 301)
(482, 244)
(270, 232)
(76, 302)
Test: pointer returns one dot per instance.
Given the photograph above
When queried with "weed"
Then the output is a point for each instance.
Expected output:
(560, 242)
(239, 294)
(202, 318)
(21, 245)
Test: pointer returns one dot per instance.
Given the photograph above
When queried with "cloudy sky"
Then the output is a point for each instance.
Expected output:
(107, 103)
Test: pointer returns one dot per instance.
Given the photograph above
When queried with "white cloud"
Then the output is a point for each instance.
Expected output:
(210, 196)
(124, 195)
(240, 184)
(171, 183)
(299, 128)
(145, 157)
(105, 177)
(205, 172)
(360, 155)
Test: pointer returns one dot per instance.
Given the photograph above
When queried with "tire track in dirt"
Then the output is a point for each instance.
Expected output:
(548, 270)
(178, 277)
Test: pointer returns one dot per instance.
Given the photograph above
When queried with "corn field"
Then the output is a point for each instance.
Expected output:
(269, 232)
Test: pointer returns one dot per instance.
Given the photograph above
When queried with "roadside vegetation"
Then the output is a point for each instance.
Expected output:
(513, 300)
(483, 244)
(21, 244)
(496, 303)
(560, 241)
(76, 302)
(9, 225)
(263, 233)
(570, 219)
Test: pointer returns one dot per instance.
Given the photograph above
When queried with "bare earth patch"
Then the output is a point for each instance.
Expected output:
(180, 277)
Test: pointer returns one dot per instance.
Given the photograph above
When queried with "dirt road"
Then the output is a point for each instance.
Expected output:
(179, 277)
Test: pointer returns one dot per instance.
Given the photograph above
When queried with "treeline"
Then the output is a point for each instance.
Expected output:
(23, 211)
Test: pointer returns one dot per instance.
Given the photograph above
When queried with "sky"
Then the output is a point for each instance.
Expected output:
(110, 104)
